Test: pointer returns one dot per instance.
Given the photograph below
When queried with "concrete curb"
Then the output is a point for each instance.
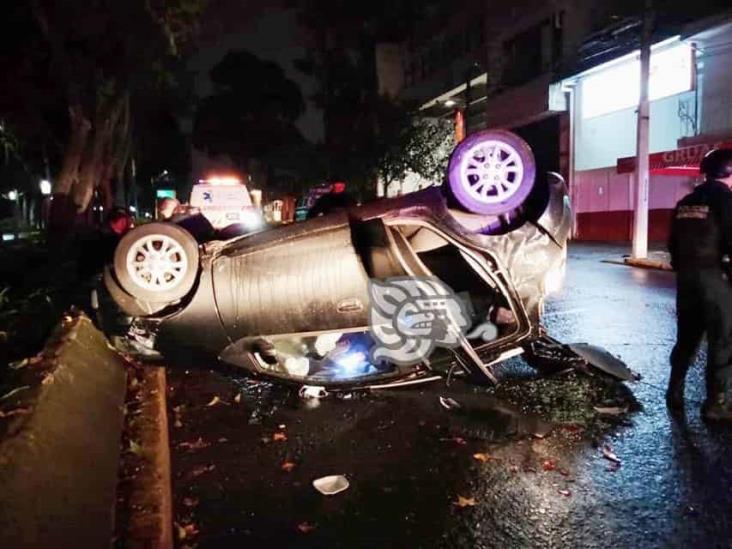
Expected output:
(58, 472)
(151, 501)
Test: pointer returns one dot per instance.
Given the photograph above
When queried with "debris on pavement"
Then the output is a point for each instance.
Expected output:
(199, 470)
(195, 445)
(460, 441)
(14, 392)
(136, 448)
(549, 465)
(279, 437)
(216, 400)
(607, 453)
(15, 412)
(186, 531)
(465, 502)
(611, 410)
(449, 403)
(482, 457)
(306, 527)
(331, 485)
(177, 413)
(565, 493)
(190, 501)
(237, 398)
(18, 364)
(312, 391)
(287, 466)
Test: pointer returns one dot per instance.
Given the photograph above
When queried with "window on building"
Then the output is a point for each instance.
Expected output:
(670, 74)
(532, 52)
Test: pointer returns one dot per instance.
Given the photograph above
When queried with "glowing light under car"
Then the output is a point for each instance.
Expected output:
(351, 364)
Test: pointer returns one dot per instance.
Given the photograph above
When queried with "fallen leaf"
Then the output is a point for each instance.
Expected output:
(190, 501)
(460, 441)
(607, 453)
(611, 410)
(223, 439)
(549, 465)
(47, 380)
(237, 398)
(282, 426)
(177, 424)
(195, 445)
(306, 527)
(18, 364)
(449, 403)
(15, 412)
(279, 437)
(216, 400)
(482, 457)
(187, 531)
(565, 493)
(287, 466)
(465, 502)
(136, 448)
(199, 470)
(613, 467)
(563, 472)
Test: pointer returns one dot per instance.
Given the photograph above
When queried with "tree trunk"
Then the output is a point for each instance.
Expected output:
(63, 211)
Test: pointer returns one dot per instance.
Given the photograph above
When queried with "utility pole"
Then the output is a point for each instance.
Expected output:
(640, 218)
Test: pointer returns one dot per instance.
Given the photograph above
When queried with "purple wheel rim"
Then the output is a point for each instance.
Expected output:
(491, 172)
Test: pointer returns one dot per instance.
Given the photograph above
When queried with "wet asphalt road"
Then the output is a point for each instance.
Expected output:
(242, 468)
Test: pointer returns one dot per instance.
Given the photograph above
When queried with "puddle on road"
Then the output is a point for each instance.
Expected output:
(519, 407)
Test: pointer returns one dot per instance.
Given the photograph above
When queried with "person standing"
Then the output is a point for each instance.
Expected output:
(701, 237)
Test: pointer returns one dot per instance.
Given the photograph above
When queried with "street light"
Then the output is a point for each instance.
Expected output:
(45, 186)
(13, 195)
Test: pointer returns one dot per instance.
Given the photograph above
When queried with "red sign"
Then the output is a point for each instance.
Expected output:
(684, 161)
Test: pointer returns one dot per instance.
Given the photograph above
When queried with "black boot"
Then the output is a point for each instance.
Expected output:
(675, 397)
(675, 391)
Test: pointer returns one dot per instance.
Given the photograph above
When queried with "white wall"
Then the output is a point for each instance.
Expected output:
(601, 140)
(605, 190)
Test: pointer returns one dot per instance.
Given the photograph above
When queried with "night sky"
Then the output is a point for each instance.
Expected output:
(270, 32)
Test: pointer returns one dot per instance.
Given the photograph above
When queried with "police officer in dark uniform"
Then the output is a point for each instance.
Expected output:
(701, 235)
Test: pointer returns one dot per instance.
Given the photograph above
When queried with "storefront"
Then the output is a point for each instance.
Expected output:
(603, 102)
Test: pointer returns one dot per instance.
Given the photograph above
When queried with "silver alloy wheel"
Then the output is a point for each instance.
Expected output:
(493, 171)
(156, 262)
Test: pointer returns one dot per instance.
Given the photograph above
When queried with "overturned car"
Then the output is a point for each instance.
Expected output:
(298, 303)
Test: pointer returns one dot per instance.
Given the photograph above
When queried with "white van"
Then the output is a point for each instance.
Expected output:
(224, 202)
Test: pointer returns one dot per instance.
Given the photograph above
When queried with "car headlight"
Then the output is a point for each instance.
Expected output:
(554, 279)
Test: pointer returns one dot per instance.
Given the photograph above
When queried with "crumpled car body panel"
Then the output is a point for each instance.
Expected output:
(287, 286)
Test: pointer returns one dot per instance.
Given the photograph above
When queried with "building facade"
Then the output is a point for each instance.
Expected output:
(564, 74)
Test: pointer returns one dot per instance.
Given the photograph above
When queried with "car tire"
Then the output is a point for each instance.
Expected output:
(491, 172)
(157, 263)
(128, 304)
